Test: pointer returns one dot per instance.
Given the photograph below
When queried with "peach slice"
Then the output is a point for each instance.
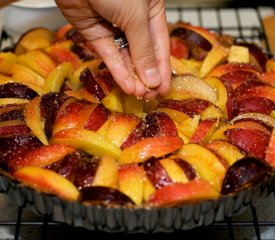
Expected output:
(61, 52)
(185, 66)
(150, 147)
(156, 173)
(153, 124)
(270, 151)
(57, 77)
(249, 124)
(205, 33)
(92, 86)
(88, 141)
(75, 82)
(104, 78)
(177, 116)
(192, 86)
(9, 101)
(221, 92)
(148, 188)
(5, 79)
(255, 105)
(113, 100)
(120, 127)
(216, 56)
(266, 91)
(206, 164)
(38, 38)
(230, 67)
(242, 122)
(81, 94)
(189, 126)
(26, 76)
(41, 157)
(13, 128)
(7, 59)
(107, 173)
(256, 54)
(130, 181)
(175, 172)
(253, 141)
(204, 131)
(226, 150)
(190, 106)
(102, 131)
(150, 105)
(238, 54)
(38, 61)
(132, 105)
(258, 117)
(97, 118)
(34, 120)
(178, 49)
(47, 181)
(75, 115)
(212, 112)
(176, 193)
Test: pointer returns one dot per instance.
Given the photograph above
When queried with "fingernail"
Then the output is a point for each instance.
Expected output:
(152, 77)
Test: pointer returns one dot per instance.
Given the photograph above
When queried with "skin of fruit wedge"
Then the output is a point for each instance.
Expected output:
(150, 147)
(192, 86)
(37, 38)
(183, 192)
(88, 141)
(214, 57)
(47, 181)
(41, 156)
(34, 121)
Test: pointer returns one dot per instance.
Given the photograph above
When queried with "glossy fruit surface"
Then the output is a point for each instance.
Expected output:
(67, 129)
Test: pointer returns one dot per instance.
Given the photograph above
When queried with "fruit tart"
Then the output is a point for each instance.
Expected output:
(67, 130)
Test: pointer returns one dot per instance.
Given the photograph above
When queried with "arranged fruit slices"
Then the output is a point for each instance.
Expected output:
(68, 130)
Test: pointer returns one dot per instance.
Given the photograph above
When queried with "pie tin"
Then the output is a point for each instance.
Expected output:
(139, 219)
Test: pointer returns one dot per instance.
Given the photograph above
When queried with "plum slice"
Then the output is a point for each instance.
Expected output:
(104, 195)
(16, 90)
(244, 173)
(156, 173)
(91, 85)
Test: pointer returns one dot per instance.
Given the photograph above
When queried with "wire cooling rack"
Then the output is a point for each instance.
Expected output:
(243, 23)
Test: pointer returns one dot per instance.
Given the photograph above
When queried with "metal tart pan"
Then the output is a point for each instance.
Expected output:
(136, 220)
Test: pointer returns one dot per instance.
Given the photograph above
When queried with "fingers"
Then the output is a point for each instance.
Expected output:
(141, 49)
(149, 45)
(161, 42)
(144, 72)
(113, 59)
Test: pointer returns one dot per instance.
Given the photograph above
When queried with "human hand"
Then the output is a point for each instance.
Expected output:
(143, 69)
